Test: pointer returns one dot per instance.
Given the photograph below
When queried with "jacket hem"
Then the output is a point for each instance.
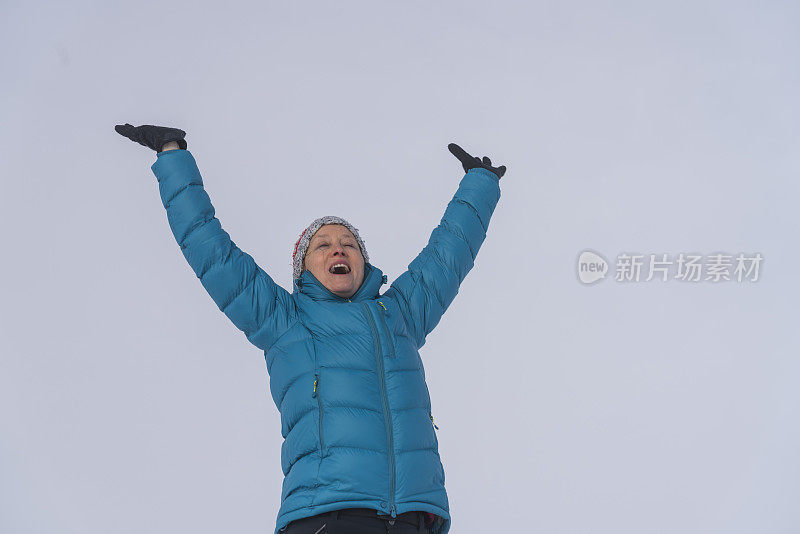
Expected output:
(308, 511)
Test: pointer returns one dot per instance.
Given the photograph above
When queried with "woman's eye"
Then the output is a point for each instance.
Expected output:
(322, 245)
(349, 245)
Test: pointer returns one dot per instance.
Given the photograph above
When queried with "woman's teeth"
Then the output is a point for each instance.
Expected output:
(339, 268)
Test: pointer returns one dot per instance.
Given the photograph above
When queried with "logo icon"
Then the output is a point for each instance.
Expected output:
(592, 267)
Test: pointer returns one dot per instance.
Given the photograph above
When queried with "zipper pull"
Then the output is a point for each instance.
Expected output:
(393, 512)
(434, 424)
(316, 381)
(386, 328)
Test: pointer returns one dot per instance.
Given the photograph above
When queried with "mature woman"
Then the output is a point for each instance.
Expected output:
(360, 453)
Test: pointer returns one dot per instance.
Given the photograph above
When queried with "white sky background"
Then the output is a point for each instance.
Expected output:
(129, 403)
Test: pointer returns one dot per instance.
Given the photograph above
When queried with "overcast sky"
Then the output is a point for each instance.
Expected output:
(129, 403)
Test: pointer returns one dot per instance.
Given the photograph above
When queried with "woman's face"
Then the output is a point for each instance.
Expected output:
(334, 258)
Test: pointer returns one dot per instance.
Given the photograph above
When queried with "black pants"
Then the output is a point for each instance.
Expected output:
(346, 522)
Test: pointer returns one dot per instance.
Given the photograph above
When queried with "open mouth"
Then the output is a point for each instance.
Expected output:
(339, 268)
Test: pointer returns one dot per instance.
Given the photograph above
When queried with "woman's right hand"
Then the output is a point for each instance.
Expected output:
(157, 138)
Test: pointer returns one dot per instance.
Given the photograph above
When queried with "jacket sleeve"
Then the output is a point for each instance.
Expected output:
(431, 282)
(241, 289)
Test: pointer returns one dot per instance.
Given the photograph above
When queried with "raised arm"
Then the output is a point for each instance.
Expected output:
(432, 280)
(240, 288)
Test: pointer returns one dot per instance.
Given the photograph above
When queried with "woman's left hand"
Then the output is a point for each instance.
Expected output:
(154, 137)
(471, 162)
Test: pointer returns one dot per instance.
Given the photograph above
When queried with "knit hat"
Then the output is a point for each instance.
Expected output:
(301, 247)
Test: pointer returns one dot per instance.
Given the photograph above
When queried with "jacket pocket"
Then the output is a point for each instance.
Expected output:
(315, 393)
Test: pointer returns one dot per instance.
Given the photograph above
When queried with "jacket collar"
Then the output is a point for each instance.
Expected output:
(308, 284)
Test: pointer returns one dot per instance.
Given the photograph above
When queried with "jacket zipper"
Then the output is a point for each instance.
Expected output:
(386, 329)
(321, 414)
(386, 413)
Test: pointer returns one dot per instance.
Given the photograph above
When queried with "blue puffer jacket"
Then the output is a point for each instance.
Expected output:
(345, 374)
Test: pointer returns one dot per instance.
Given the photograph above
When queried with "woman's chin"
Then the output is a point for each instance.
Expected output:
(341, 288)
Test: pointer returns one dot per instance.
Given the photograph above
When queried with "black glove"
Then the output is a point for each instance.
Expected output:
(151, 136)
(470, 162)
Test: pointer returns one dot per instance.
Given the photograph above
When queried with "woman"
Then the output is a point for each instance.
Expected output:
(360, 453)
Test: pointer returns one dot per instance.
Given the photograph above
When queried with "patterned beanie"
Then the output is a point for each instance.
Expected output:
(301, 247)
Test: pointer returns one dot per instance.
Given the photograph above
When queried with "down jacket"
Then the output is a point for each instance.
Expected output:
(345, 374)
